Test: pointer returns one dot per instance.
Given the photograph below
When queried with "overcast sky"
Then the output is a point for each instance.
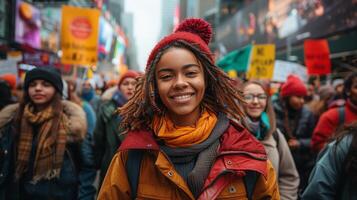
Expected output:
(147, 26)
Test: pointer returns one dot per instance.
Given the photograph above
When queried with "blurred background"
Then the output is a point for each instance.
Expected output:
(31, 32)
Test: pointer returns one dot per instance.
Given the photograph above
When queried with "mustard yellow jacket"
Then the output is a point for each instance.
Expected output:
(239, 152)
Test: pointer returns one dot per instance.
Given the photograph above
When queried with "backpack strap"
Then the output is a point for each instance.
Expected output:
(132, 166)
(341, 115)
(250, 180)
(276, 137)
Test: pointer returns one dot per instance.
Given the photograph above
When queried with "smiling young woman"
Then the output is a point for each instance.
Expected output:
(262, 124)
(183, 119)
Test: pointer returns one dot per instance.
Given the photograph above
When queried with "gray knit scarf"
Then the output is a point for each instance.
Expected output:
(194, 163)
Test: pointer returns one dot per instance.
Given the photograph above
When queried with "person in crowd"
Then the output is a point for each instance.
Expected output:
(338, 99)
(179, 130)
(10, 79)
(261, 121)
(337, 84)
(6, 97)
(87, 108)
(311, 96)
(40, 143)
(107, 137)
(87, 145)
(89, 94)
(325, 97)
(296, 122)
(337, 117)
(335, 174)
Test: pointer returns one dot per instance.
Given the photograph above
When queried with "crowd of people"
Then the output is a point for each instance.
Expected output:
(181, 130)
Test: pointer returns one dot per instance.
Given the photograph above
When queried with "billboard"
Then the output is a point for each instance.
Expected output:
(283, 21)
(27, 24)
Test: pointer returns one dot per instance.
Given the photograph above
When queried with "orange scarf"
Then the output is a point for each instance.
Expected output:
(184, 136)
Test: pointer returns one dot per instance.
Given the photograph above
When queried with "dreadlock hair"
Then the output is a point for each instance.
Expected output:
(56, 103)
(220, 94)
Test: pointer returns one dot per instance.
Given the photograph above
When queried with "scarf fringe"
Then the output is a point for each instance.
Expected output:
(51, 174)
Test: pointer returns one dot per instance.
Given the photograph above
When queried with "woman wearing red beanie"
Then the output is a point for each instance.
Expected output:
(183, 136)
(297, 122)
(106, 136)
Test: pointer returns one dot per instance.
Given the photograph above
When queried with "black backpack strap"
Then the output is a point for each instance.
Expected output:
(276, 137)
(341, 115)
(132, 166)
(250, 180)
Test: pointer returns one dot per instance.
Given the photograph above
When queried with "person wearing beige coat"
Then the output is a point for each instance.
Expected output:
(261, 120)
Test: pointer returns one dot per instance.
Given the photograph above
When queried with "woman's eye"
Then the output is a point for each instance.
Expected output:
(47, 84)
(191, 74)
(165, 77)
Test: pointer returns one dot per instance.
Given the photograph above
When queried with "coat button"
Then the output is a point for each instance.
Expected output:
(170, 173)
(232, 189)
(1, 175)
(229, 162)
(5, 151)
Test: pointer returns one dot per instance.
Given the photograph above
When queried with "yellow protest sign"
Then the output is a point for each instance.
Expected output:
(232, 73)
(79, 35)
(261, 65)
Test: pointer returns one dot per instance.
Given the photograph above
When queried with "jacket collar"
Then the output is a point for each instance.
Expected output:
(235, 140)
(239, 152)
(7, 114)
(140, 139)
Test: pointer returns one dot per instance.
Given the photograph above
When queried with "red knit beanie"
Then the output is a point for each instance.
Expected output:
(193, 30)
(128, 74)
(293, 87)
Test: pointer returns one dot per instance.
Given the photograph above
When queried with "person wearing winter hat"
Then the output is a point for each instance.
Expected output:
(337, 117)
(89, 94)
(10, 79)
(296, 121)
(6, 97)
(325, 97)
(39, 139)
(184, 139)
(107, 137)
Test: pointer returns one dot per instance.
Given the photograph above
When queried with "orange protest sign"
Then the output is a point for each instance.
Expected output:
(79, 35)
(317, 57)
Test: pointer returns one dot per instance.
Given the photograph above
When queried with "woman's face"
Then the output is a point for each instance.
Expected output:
(181, 85)
(127, 87)
(352, 94)
(256, 100)
(296, 102)
(41, 92)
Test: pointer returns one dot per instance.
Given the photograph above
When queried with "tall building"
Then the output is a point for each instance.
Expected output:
(167, 20)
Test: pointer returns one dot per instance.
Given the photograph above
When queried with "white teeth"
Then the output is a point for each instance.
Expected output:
(182, 97)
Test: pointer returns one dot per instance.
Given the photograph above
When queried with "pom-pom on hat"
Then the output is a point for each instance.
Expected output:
(44, 73)
(293, 87)
(192, 30)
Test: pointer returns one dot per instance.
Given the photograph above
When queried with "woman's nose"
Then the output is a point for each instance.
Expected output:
(180, 82)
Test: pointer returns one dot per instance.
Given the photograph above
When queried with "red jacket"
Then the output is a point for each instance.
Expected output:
(239, 152)
(329, 122)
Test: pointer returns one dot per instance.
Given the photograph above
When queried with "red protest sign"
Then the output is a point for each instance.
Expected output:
(317, 57)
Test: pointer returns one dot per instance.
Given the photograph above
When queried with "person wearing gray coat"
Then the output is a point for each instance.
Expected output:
(261, 120)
